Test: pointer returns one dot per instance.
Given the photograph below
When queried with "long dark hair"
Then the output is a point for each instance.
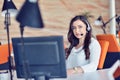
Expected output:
(75, 41)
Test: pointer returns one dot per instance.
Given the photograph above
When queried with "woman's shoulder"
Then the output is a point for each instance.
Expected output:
(94, 41)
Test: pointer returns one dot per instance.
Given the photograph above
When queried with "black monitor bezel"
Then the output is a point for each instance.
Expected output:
(58, 39)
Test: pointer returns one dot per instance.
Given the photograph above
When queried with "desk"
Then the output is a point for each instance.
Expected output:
(97, 75)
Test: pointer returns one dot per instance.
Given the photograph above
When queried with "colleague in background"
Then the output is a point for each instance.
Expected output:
(84, 51)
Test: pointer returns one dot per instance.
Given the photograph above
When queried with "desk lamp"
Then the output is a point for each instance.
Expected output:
(100, 22)
(29, 15)
(8, 10)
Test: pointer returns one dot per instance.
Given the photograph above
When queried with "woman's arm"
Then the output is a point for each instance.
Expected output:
(95, 50)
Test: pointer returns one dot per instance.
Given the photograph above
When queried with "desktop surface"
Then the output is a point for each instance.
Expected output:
(97, 75)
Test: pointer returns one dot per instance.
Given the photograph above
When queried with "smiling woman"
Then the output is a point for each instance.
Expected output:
(84, 50)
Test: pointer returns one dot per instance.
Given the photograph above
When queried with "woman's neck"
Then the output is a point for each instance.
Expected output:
(81, 43)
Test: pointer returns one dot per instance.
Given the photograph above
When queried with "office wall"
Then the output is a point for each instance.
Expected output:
(56, 16)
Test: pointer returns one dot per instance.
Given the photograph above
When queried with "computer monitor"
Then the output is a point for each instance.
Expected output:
(45, 56)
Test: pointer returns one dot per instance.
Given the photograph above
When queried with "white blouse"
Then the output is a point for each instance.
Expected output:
(77, 57)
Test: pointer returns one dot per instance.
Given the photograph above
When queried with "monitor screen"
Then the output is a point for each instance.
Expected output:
(40, 56)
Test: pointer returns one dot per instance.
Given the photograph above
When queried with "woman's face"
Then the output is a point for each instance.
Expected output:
(79, 29)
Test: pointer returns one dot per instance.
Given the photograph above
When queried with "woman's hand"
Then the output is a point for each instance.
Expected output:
(74, 70)
(70, 71)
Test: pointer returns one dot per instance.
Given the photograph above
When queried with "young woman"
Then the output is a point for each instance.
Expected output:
(84, 51)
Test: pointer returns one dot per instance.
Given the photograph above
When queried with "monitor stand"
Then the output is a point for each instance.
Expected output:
(41, 77)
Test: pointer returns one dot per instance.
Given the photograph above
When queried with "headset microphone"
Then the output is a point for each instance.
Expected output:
(81, 34)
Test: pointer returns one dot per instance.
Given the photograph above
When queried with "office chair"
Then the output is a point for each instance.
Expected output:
(4, 54)
(113, 53)
(104, 47)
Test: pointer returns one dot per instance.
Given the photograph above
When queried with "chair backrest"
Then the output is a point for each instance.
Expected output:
(104, 47)
(113, 44)
(4, 54)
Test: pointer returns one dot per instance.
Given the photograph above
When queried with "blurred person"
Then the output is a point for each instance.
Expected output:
(84, 51)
